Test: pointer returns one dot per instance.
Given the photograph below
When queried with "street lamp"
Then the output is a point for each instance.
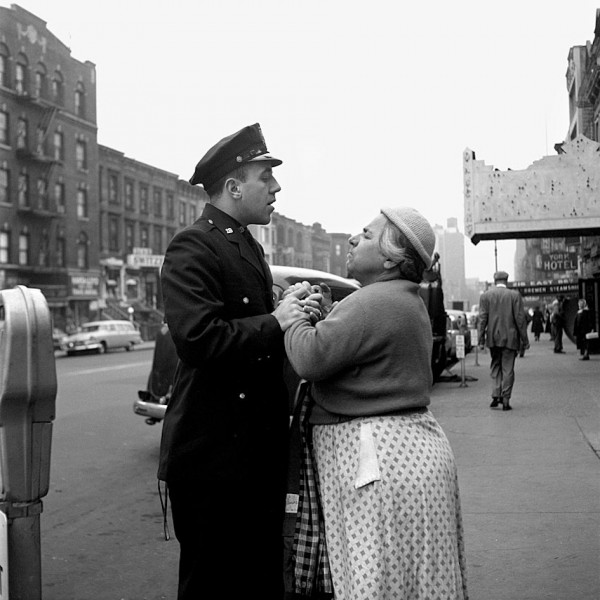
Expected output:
(130, 310)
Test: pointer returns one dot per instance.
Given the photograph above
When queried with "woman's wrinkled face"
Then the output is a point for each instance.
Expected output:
(365, 260)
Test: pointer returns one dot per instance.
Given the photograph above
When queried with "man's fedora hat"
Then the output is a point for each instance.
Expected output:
(243, 146)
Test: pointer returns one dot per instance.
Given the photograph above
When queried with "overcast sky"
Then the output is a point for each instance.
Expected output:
(368, 103)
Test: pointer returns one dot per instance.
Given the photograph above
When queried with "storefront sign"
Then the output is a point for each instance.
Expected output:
(137, 261)
(84, 285)
(545, 288)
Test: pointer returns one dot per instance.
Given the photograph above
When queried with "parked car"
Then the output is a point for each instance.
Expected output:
(57, 337)
(101, 336)
(152, 402)
(458, 325)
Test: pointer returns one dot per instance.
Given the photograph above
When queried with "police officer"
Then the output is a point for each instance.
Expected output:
(224, 441)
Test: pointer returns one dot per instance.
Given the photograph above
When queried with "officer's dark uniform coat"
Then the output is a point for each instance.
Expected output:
(228, 411)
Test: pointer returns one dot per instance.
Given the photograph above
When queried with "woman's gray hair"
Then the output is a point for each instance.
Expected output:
(395, 246)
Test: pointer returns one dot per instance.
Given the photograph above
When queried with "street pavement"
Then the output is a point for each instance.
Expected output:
(529, 477)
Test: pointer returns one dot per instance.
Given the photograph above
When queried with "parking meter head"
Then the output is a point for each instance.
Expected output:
(27, 394)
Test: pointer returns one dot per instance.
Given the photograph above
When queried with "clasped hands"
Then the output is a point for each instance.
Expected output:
(303, 301)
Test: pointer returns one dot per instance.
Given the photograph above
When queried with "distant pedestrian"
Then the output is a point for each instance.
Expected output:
(548, 326)
(558, 325)
(503, 329)
(522, 348)
(537, 323)
(583, 325)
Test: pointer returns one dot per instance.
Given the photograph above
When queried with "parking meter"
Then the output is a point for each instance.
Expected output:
(27, 409)
(27, 394)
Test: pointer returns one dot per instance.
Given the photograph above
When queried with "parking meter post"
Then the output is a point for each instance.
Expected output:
(462, 373)
(27, 409)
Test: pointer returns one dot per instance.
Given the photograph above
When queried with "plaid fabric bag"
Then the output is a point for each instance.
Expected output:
(312, 576)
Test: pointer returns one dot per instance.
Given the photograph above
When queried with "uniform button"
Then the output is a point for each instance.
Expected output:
(242, 395)
(211, 221)
(245, 300)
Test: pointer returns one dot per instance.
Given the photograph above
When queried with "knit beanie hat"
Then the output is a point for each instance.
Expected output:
(416, 228)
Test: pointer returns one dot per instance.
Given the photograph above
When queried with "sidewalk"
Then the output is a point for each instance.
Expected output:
(530, 477)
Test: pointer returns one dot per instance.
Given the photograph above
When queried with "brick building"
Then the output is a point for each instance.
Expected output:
(82, 222)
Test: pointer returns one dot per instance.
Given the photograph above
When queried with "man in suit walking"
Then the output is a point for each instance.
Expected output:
(503, 329)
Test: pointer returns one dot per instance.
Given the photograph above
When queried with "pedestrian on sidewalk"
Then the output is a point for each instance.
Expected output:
(224, 444)
(503, 329)
(537, 323)
(386, 474)
(582, 326)
(558, 325)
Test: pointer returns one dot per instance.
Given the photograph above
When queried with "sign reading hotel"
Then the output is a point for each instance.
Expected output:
(143, 258)
(557, 261)
(555, 196)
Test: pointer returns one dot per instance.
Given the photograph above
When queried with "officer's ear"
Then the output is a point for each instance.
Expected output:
(234, 188)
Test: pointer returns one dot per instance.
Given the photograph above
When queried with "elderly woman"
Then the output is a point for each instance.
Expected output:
(386, 474)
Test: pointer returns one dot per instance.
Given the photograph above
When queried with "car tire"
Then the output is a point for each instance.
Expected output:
(102, 348)
(130, 347)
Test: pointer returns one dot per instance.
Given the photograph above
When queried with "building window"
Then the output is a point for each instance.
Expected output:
(182, 213)
(23, 190)
(81, 155)
(39, 146)
(158, 209)
(143, 199)
(58, 88)
(82, 251)
(21, 76)
(144, 236)
(4, 134)
(113, 188)
(59, 197)
(80, 100)
(3, 66)
(170, 207)
(4, 247)
(4, 185)
(59, 146)
(40, 81)
(129, 237)
(82, 204)
(60, 249)
(113, 234)
(158, 241)
(24, 248)
(192, 213)
(129, 200)
(42, 190)
(22, 133)
(44, 253)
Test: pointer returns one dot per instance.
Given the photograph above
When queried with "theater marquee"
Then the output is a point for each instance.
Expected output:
(555, 196)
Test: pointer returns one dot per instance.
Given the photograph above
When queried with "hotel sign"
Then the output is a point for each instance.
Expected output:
(557, 261)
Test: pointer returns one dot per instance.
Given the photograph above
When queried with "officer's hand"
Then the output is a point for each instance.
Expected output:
(292, 308)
